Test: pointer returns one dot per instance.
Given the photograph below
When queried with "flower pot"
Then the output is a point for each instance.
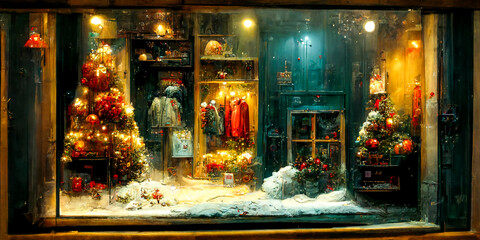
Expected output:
(313, 187)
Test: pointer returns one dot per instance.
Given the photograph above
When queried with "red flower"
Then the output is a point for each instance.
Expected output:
(377, 104)
(325, 167)
(303, 166)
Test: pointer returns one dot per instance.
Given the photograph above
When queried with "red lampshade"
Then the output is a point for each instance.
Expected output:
(35, 41)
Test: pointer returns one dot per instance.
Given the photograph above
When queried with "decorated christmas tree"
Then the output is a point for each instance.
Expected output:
(384, 134)
(100, 124)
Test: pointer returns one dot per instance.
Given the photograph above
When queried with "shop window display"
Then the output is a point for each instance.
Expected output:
(243, 114)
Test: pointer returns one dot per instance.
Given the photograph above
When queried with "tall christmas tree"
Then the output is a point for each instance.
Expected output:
(100, 123)
(385, 133)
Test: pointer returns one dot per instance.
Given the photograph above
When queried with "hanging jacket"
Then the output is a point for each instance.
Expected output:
(155, 113)
(244, 119)
(228, 120)
(211, 117)
(171, 115)
(236, 119)
(221, 121)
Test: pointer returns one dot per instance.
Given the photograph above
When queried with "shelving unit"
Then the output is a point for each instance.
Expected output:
(239, 80)
(170, 59)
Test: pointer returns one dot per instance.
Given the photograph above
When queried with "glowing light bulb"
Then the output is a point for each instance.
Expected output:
(369, 26)
(96, 20)
(415, 44)
(104, 128)
(247, 23)
(160, 30)
(129, 110)
(232, 94)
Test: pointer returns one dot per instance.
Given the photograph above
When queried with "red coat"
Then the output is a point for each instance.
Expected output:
(244, 119)
(235, 121)
(228, 121)
(240, 119)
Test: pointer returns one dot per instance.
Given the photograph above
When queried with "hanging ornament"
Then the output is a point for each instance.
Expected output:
(79, 145)
(93, 119)
(303, 166)
(371, 143)
(325, 167)
(399, 149)
(407, 146)
(389, 123)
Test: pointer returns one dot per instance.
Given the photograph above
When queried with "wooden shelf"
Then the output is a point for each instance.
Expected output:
(222, 58)
(378, 166)
(152, 37)
(90, 159)
(216, 35)
(316, 140)
(230, 81)
(376, 190)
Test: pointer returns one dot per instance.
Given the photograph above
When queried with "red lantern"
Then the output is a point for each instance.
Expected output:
(35, 41)
(407, 146)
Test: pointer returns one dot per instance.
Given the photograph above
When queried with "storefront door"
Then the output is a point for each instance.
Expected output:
(455, 123)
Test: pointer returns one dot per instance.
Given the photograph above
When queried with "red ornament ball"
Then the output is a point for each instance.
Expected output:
(325, 167)
(303, 166)
(317, 161)
(399, 149)
(93, 119)
(372, 143)
(407, 146)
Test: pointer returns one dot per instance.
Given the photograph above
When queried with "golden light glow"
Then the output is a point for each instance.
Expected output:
(232, 94)
(369, 26)
(129, 110)
(104, 128)
(160, 30)
(96, 20)
(415, 44)
(389, 122)
(247, 23)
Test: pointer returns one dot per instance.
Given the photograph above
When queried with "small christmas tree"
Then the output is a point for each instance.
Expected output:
(385, 133)
(100, 123)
